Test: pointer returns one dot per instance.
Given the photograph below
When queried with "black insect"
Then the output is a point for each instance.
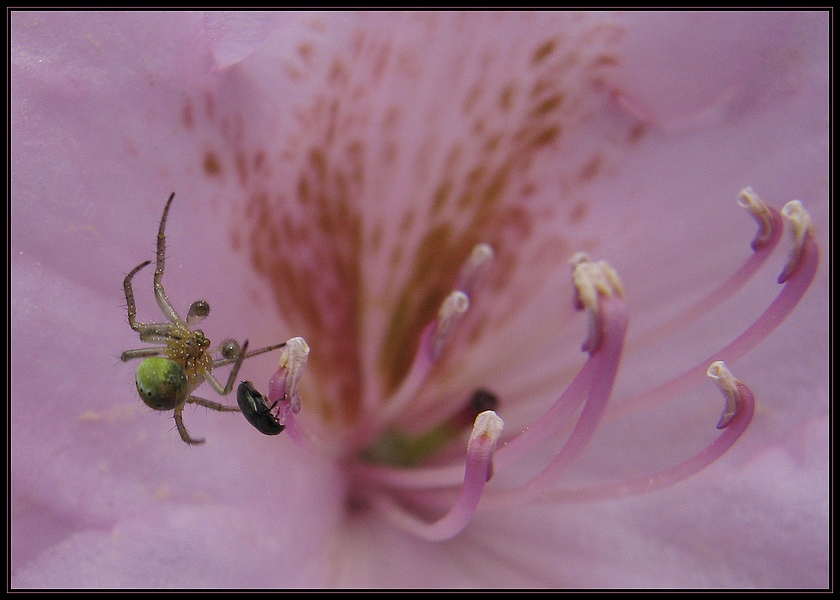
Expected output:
(256, 409)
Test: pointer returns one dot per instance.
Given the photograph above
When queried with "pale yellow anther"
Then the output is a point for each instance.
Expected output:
(800, 228)
(748, 199)
(476, 265)
(486, 431)
(451, 311)
(594, 279)
(293, 359)
(728, 386)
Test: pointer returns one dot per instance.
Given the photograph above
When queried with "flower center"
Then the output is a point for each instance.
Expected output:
(453, 458)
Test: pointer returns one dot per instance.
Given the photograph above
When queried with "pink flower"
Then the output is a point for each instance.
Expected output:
(332, 174)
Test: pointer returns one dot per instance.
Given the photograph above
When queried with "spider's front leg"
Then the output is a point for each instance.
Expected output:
(160, 294)
(211, 379)
(149, 332)
(131, 306)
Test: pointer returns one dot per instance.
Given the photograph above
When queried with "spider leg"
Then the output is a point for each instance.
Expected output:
(149, 332)
(211, 379)
(210, 404)
(182, 430)
(142, 352)
(226, 361)
(162, 300)
(131, 306)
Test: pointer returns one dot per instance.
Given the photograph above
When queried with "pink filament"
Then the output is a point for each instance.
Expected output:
(476, 474)
(592, 385)
(668, 477)
(411, 384)
(550, 423)
(792, 292)
(725, 290)
(606, 361)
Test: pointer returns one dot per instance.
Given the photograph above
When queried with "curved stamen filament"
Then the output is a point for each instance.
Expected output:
(543, 428)
(736, 417)
(765, 241)
(594, 282)
(606, 360)
(433, 340)
(437, 335)
(478, 470)
(800, 271)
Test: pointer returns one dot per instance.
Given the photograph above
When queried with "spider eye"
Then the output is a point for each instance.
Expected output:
(161, 383)
(198, 310)
(230, 348)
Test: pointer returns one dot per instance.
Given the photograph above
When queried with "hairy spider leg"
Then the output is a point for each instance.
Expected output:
(149, 332)
(226, 389)
(160, 294)
(226, 361)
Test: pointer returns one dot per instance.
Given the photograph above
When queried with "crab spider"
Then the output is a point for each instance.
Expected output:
(168, 374)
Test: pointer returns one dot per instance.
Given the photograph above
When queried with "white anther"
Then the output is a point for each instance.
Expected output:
(799, 219)
(293, 360)
(480, 259)
(728, 386)
(451, 311)
(486, 431)
(748, 199)
(593, 279)
(800, 227)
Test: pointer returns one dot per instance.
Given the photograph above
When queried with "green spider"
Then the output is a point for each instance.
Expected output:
(168, 374)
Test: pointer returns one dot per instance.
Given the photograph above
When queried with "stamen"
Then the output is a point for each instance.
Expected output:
(395, 448)
(605, 363)
(485, 433)
(736, 418)
(451, 312)
(474, 268)
(433, 341)
(728, 385)
(799, 271)
(769, 232)
(435, 337)
(283, 393)
(593, 280)
(284, 384)
(767, 219)
(479, 468)
(596, 280)
(800, 229)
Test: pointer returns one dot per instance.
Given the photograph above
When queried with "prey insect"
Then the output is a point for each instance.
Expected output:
(171, 371)
(257, 411)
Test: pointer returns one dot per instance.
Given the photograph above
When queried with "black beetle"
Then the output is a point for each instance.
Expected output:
(256, 409)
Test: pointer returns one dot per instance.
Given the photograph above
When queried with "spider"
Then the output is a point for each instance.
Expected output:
(168, 374)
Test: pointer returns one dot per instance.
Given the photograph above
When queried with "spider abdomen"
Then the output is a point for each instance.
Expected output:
(162, 383)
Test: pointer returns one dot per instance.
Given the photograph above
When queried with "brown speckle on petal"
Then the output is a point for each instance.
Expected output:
(391, 163)
(211, 164)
